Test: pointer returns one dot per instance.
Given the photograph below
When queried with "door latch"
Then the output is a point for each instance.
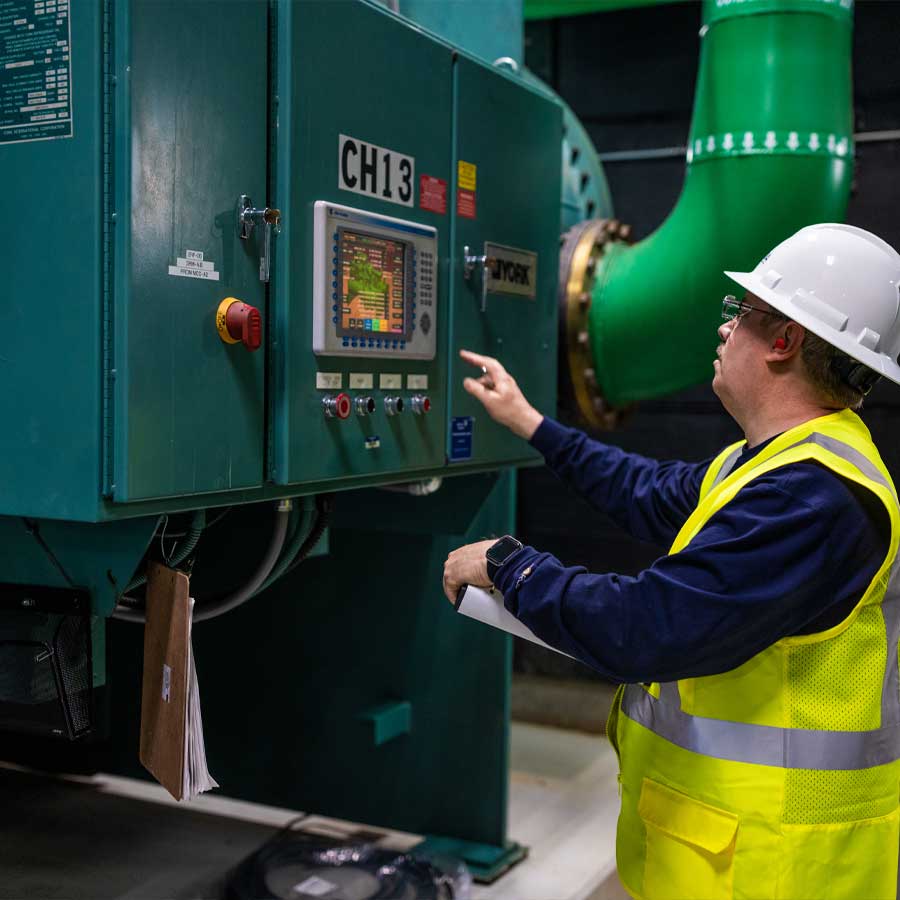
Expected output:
(469, 264)
(248, 217)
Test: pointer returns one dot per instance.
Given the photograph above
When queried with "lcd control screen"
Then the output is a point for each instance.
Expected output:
(372, 286)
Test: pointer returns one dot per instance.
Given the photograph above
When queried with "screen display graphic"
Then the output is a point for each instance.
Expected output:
(372, 275)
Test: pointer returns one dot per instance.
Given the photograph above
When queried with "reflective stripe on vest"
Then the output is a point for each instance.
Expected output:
(728, 465)
(838, 448)
(792, 748)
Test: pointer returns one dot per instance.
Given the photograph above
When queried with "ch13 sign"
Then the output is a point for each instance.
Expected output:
(365, 168)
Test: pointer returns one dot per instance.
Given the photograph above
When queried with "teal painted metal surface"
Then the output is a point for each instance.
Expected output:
(486, 862)
(388, 721)
(52, 289)
(99, 557)
(143, 410)
(155, 413)
(386, 108)
(585, 191)
(488, 29)
(343, 635)
(516, 196)
(190, 408)
(768, 154)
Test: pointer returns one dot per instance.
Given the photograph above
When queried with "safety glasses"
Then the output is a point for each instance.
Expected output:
(732, 308)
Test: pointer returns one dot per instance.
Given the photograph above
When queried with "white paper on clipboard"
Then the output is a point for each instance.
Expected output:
(487, 606)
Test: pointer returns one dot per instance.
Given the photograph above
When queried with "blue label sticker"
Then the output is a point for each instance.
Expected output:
(461, 429)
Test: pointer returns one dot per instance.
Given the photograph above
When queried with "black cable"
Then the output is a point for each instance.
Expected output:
(325, 506)
(224, 512)
(128, 609)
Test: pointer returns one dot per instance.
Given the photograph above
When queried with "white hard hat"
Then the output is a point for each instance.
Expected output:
(840, 282)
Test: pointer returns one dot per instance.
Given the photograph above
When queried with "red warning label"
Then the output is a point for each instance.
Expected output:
(465, 203)
(433, 194)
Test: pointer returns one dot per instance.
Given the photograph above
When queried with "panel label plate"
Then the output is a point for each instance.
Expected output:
(465, 203)
(390, 382)
(433, 194)
(466, 175)
(512, 271)
(417, 382)
(193, 265)
(361, 381)
(461, 430)
(35, 71)
(329, 381)
(365, 168)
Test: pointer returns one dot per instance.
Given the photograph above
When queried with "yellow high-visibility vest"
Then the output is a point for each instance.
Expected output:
(779, 779)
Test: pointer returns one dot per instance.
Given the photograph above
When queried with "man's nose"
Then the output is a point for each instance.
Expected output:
(725, 329)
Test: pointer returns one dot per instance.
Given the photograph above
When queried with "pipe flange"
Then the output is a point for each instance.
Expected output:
(581, 249)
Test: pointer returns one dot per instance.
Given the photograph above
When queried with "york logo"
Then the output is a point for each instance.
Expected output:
(511, 270)
(365, 168)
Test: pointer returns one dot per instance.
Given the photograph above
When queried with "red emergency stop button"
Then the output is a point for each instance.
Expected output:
(336, 407)
(239, 323)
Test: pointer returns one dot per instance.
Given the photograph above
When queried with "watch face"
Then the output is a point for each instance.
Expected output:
(503, 548)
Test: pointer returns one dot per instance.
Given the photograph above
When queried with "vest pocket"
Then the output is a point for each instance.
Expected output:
(690, 846)
(841, 861)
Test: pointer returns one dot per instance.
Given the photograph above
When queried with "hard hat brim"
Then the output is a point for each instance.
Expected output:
(847, 343)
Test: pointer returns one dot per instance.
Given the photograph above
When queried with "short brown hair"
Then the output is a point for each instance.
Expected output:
(818, 358)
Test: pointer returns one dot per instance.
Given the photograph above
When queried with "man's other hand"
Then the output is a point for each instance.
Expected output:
(467, 565)
(500, 395)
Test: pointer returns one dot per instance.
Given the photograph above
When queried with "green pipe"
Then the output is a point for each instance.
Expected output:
(555, 9)
(770, 151)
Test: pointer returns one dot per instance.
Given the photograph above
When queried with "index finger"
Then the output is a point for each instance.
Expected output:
(494, 368)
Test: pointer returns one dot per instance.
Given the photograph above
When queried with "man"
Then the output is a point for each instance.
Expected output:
(758, 721)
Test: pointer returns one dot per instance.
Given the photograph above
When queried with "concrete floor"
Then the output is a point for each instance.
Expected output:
(563, 805)
(105, 837)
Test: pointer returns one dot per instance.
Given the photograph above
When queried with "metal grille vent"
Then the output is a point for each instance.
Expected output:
(45, 673)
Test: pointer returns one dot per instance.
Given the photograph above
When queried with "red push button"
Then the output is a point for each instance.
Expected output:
(336, 407)
(239, 323)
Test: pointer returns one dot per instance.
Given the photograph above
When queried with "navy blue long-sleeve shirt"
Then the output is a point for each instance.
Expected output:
(792, 553)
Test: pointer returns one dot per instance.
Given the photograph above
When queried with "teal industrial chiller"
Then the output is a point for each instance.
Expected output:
(250, 240)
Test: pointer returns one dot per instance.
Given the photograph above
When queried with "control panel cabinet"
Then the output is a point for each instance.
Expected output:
(189, 407)
(505, 253)
(360, 290)
(170, 349)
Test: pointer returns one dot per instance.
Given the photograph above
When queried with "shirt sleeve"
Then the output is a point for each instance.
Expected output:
(649, 499)
(774, 559)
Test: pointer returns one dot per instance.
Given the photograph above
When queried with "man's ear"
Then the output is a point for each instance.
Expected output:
(786, 342)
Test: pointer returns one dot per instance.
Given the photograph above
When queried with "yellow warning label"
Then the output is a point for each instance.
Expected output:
(466, 175)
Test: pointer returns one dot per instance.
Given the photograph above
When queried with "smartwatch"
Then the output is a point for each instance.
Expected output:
(499, 553)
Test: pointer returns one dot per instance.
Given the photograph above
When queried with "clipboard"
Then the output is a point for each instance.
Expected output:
(167, 677)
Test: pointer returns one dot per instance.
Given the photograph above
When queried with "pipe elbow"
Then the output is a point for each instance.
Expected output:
(770, 151)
